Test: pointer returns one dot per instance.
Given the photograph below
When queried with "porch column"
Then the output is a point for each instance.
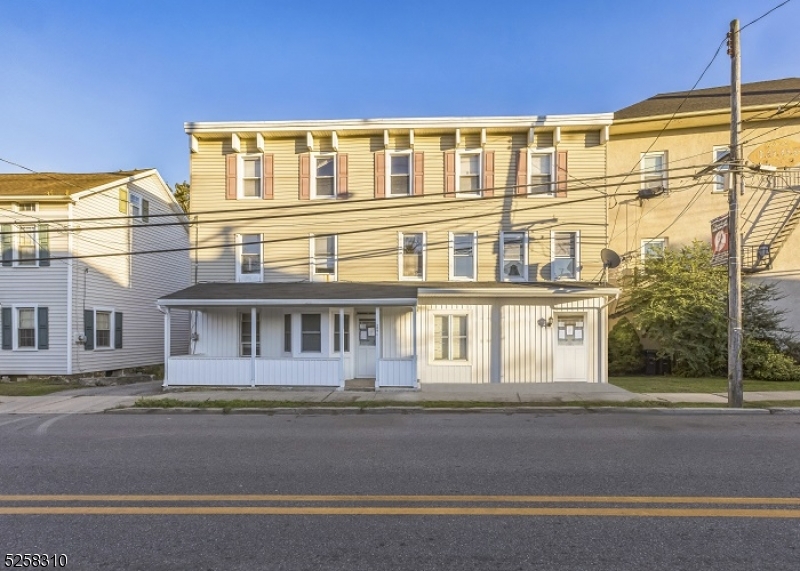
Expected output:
(253, 345)
(414, 344)
(378, 351)
(341, 348)
(167, 346)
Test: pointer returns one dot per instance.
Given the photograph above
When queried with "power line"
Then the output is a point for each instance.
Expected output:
(764, 15)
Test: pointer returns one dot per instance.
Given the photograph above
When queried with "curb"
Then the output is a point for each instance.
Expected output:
(349, 410)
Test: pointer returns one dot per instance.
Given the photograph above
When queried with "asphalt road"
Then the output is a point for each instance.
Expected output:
(547, 491)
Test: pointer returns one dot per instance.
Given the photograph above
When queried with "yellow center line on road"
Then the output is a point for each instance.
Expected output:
(403, 511)
(402, 498)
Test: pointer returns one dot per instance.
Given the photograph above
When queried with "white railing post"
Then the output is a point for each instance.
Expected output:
(414, 345)
(167, 346)
(253, 346)
(341, 348)
(377, 347)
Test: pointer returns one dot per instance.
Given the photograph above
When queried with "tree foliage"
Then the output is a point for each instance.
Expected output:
(624, 349)
(681, 301)
(182, 191)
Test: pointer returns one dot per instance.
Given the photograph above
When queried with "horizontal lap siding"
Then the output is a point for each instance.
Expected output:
(42, 286)
(372, 255)
(130, 284)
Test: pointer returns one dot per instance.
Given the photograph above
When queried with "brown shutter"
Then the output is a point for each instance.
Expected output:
(419, 174)
(341, 172)
(305, 176)
(449, 174)
(522, 172)
(380, 174)
(561, 174)
(230, 176)
(268, 176)
(488, 173)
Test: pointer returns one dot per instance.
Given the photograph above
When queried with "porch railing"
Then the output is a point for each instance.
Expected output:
(201, 370)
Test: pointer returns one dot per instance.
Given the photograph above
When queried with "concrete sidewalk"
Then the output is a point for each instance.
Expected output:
(100, 399)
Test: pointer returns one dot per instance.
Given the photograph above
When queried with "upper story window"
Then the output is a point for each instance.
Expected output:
(468, 176)
(719, 179)
(324, 179)
(138, 207)
(564, 263)
(399, 174)
(653, 248)
(252, 169)
(513, 256)
(25, 245)
(412, 256)
(463, 258)
(249, 263)
(540, 172)
(323, 258)
(654, 170)
(27, 206)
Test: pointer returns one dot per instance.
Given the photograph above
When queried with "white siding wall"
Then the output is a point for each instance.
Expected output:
(42, 286)
(130, 284)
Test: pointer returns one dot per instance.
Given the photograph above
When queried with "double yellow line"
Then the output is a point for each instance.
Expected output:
(396, 505)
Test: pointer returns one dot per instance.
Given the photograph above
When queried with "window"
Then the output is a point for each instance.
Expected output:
(311, 333)
(324, 180)
(450, 338)
(250, 185)
(27, 245)
(287, 333)
(469, 174)
(654, 170)
(27, 207)
(26, 327)
(102, 330)
(246, 335)
(513, 256)
(399, 179)
(323, 258)
(540, 173)
(336, 340)
(719, 179)
(138, 208)
(412, 256)
(653, 248)
(249, 265)
(463, 261)
(564, 264)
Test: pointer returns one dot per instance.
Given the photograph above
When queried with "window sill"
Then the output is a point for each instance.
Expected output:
(410, 279)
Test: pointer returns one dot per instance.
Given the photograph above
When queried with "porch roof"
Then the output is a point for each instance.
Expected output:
(365, 293)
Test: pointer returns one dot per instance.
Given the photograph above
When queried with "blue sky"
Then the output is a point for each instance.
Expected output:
(107, 85)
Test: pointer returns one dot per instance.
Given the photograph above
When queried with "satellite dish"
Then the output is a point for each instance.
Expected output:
(610, 258)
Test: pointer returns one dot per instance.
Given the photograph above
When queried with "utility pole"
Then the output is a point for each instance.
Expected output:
(735, 336)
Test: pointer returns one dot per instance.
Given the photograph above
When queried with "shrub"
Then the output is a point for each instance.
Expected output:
(761, 360)
(624, 349)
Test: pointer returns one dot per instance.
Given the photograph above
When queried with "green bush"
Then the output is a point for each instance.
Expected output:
(624, 349)
(761, 360)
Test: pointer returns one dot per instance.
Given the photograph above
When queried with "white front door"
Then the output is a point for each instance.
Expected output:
(365, 347)
(571, 362)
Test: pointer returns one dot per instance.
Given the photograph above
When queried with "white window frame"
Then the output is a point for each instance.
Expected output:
(551, 151)
(257, 341)
(643, 172)
(452, 255)
(111, 323)
(577, 259)
(719, 179)
(240, 277)
(432, 360)
(15, 326)
(134, 198)
(524, 276)
(459, 154)
(647, 241)
(321, 334)
(314, 276)
(241, 158)
(313, 190)
(388, 174)
(348, 331)
(401, 255)
(18, 206)
(15, 252)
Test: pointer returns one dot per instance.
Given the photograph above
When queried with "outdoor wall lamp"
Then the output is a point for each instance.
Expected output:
(545, 322)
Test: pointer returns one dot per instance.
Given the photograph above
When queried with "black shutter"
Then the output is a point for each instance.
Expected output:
(8, 248)
(44, 245)
(117, 330)
(145, 210)
(88, 329)
(6, 316)
(44, 328)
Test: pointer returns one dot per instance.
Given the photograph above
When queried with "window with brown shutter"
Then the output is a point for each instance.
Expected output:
(230, 176)
(380, 174)
(305, 177)
(450, 174)
(342, 175)
(419, 174)
(561, 175)
(488, 173)
(522, 172)
(268, 176)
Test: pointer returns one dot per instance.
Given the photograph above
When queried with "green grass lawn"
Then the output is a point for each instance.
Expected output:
(659, 384)
(33, 388)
